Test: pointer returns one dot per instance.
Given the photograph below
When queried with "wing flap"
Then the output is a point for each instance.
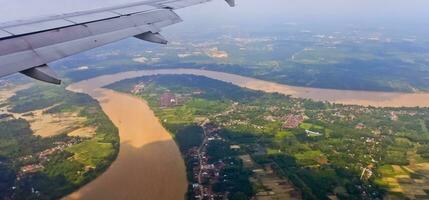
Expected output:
(152, 37)
(134, 9)
(42, 73)
(183, 3)
(56, 36)
(57, 51)
(92, 17)
(39, 26)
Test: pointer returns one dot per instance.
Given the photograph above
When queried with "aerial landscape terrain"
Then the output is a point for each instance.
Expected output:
(52, 141)
(321, 148)
(297, 108)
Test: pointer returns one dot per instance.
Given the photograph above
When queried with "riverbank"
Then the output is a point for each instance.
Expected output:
(149, 164)
(348, 97)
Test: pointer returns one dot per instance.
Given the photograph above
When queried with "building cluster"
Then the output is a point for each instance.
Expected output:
(139, 88)
(60, 146)
(31, 168)
(43, 157)
(292, 121)
(168, 99)
(206, 174)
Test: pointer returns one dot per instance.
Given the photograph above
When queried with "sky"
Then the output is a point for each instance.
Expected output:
(416, 9)
(400, 13)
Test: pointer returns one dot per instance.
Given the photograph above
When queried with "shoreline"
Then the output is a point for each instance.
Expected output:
(347, 97)
(162, 175)
(149, 164)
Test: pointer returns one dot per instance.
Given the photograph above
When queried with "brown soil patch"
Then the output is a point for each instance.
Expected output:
(85, 132)
(47, 125)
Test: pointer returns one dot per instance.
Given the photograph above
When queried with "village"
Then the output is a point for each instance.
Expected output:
(274, 136)
(206, 174)
(36, 162)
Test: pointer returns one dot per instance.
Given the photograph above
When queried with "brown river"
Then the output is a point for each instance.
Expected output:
(149, 164)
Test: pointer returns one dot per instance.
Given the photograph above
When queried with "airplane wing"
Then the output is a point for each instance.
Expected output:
(28, 46)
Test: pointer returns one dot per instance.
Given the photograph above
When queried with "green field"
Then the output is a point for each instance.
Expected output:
(91, 152)
(309, 126)
(308, 158)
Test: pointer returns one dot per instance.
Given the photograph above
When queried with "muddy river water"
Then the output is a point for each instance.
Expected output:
(149, 165)
(350, 97)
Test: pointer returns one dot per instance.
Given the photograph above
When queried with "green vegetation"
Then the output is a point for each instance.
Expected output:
(43, 96)
(189, 137)
(340, 57)
(91, 152)
(310, 126)
(349, 138)
(309, 158)
(423, 151)
(236, 181)
(32, 167)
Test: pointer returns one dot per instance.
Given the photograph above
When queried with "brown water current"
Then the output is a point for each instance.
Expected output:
(349, 97)
(149, 164)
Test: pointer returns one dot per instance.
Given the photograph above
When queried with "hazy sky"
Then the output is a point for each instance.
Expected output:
(249, 11)
(15, 9)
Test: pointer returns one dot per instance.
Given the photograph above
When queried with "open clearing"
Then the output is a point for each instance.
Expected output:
(411, 181)
(46, 124)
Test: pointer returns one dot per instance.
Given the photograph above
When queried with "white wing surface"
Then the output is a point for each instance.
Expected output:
(28, 46)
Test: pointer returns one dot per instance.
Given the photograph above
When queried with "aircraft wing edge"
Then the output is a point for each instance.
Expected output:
(28, 47)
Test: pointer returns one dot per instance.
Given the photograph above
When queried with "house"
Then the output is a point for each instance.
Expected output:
(312, 133)
(360, 126)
